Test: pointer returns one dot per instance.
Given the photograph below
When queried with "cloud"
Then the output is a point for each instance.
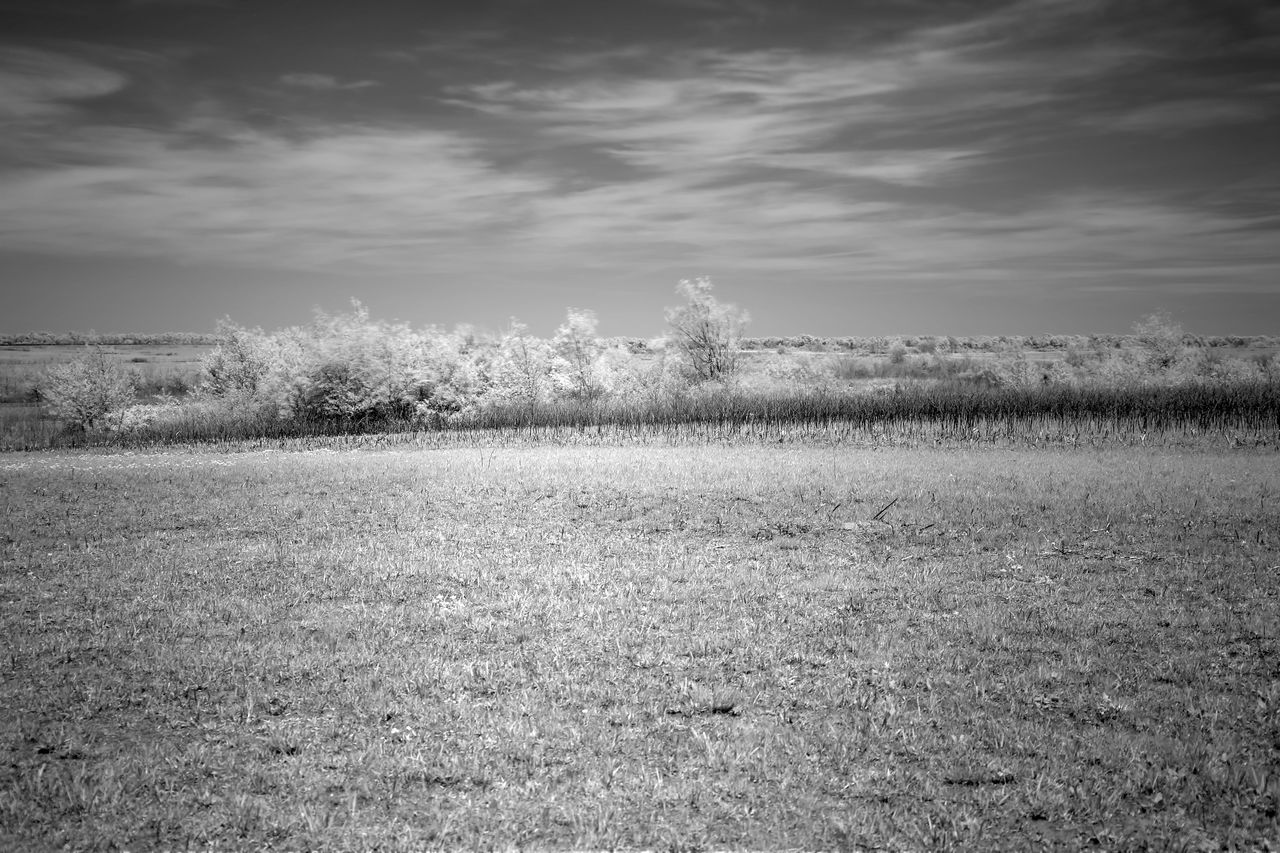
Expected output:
(40, 84)
(1185, 114)
(746, 230)
(323, 82)
(881, 165)
(354, 196)
(889, 112)
(730, 113)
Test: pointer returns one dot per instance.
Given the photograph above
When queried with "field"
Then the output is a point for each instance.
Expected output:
(669, 646)
(172, 367)
(158, 368)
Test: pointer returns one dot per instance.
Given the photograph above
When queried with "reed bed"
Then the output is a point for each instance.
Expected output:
(912, 414)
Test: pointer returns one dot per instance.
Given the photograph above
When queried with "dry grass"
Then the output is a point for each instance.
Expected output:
(173, 366)
(658, 647)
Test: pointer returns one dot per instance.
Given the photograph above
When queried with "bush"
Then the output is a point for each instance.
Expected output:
(88, 391)
(706, 331)
(849, 368)
(356, 369)
(518, 372)
(576, 369)
(239, 362)
(1238, 370)
(1162, 338)
(345, 368)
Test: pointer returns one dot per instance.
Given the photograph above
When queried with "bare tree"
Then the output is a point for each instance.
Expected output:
(706, 331)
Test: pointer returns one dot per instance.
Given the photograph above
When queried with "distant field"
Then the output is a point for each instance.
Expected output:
(721, 646)
(52, 354)
(22, 367)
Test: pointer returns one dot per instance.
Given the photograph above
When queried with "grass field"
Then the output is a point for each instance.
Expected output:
(661, 647)
(174, 367)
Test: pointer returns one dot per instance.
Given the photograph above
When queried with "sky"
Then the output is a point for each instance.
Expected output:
(837, 167)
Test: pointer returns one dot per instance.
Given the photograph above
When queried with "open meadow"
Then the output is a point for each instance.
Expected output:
(667, 646)
(173, 368)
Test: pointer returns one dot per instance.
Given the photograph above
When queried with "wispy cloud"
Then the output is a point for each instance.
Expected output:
(323, 82)
(727, 112)
(348, 196)
(39, 84)
(1185, 114)
(888, 163)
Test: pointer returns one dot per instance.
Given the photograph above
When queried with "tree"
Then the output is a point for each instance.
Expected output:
(706, 331)
(354, 368)
(1162, 336)
(238, 364)
(577, 350)
(87, 390)
(519, 369)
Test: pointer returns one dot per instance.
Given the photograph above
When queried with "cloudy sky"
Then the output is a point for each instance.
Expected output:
(836, 166)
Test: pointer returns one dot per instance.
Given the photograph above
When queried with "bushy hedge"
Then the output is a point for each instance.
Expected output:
(351, 374)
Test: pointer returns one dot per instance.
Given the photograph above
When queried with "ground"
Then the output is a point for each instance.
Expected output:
(676, 647)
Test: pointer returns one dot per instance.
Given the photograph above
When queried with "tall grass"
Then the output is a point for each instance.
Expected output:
(926, 413)
(25, 427)
(1066, 414)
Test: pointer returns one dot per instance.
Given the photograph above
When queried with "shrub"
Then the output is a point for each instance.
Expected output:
(239, 362)
(360, 369)
(576, 368)
(520, 367)
(706, 332)
(1237, 370)
(1122, 368)
(142, 417)
(1162, 338)
(850, 367)
(87, 391)
(650, 382)
(448, 374)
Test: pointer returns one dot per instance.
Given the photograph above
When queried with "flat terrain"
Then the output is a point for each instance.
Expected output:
(16, 356)
(23, 367)
(659, 647)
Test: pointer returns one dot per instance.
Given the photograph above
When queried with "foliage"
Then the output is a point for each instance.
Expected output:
(349, 373)
(1162, 336)
(448, 380)
(238, 364)
(358, 369)
(519, 370)
(650, 382)
(576, 369)
(706, 331)
(87, 391)
(346, 368)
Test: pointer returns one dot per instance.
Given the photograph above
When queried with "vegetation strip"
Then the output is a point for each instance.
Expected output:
(353, 375)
